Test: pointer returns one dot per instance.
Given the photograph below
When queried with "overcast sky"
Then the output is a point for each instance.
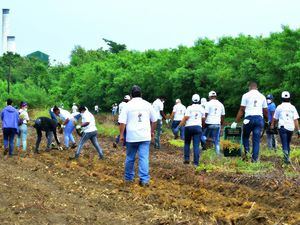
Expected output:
(56, 26)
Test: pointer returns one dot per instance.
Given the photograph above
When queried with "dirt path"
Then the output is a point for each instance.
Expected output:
(47, 189)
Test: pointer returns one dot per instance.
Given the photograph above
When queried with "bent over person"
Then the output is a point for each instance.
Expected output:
(49, 126)
(139, 118)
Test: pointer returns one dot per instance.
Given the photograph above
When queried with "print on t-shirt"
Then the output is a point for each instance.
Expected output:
(140, 117)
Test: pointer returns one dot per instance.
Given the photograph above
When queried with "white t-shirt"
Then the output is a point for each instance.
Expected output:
(64, 115)
(158, 106)
(254, 102)
(195, 113)
(121, 106)
(24, 114)
(137, 115)
(74, 108)
(286, 113)
(88, 117)
(214, 109)
(179, 111)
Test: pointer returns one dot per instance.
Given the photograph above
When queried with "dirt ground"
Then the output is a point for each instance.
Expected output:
(49, 189)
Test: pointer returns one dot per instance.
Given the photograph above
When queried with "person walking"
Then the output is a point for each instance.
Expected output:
(67, 123)
(23, 120)
(271, 140)
(49, 126)
(10, 126)
(177, 115)
(193, 120)
(74, 108)
(158, 106)
(88, 125)
(286, 116)
(139, 118)
(254, 107)
(215, 113)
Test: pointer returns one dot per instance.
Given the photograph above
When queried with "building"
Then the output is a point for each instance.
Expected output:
(40, 56)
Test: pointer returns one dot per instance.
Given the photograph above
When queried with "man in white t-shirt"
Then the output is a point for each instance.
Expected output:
(177, 115)
(158, 106)
(138, 117)
(193, 120)
(74, 108)
(287, 117)
(67, 123)
(215, 113)
(254, 106)
(88, 125)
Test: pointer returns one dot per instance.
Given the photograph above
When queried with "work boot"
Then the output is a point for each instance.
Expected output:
(144, 184)
(186, 162)
(73, 158)
(5, 151)
(115, 145)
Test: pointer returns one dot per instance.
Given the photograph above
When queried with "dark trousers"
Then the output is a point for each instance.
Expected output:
(192, 132)
(49, 136)
(285, 137)
(8, 138)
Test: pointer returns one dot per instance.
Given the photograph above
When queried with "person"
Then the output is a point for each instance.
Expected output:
(114, 109)
(74, 108)
(121, 106)
(52, 114)
(177, 115)
(215, 113)
(67, 123)
(139, 118)
(10, 127)
(286, 116)
(203, 103)
(23, 120)
(49, 126)
(88, 125)
(193, 120)
(254, 108)
(158, 106)
(271, 141)
(96, 109)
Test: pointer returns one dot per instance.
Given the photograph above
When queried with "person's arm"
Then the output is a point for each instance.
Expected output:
(85, 124)
(55, 136)
(153, 127)
(182, 122)
(66, 122)
(222, 120)
(172, 115)
(122, 129)
(163, 115)
(296, 125)
(265, 113)
(240, 114)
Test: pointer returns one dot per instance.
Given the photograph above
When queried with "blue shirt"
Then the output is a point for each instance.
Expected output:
(271, 110)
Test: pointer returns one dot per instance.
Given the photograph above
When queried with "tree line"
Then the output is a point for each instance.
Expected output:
(103, 77)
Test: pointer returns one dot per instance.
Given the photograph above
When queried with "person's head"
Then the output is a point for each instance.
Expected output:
(212, 95)
(126, 98)
(269, 98)
(178, 101)
(23, 105)
(252, 85)
(285, 96)
(136, 92)
(74, 103)
(203, 101)
(56, 110)
(82, 109)
(196, 99)
(9, 101)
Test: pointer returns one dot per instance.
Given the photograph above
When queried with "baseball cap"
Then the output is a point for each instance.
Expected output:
(177, 100)
(195, 98)
(285, 94)
(127, 97)
(203, 100)
(23, 104)
(269, 96)
(212, 94)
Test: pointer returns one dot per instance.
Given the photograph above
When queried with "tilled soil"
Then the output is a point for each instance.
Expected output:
(50, 189)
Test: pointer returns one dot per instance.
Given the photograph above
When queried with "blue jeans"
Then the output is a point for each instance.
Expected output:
(255, 125)
(89, 136)
(142, 148)
(213, 131)
(175, 124)
(195, 133)
(157, 134)
(68, 133)
(8, 139)
(22, 135)
(285, 137)
(271, 141)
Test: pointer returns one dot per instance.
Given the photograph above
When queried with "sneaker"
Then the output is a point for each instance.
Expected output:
(115, 145)
(144, 184)
(186, 162)
(74, 145)
(5, 151)
(101, 157)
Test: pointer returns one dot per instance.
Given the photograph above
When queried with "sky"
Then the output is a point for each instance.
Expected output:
(57, 26)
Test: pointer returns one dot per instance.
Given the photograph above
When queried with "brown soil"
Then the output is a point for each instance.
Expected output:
(49, 189)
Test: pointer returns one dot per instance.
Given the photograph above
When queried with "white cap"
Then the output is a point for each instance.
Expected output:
(74, 103)
(195, 98)
(203, 100)
(285, 94)
(127, 97)
(212, 94)
(177, 100)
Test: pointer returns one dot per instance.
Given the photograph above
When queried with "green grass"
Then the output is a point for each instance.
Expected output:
(35, 113)
(108, 130)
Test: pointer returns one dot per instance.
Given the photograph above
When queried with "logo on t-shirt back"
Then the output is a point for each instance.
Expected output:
(140, 117)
